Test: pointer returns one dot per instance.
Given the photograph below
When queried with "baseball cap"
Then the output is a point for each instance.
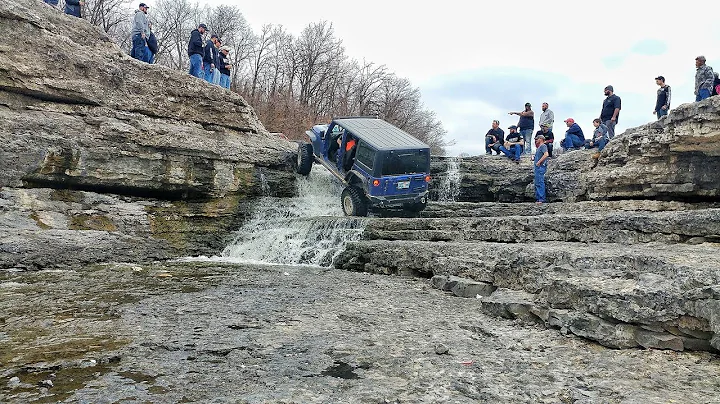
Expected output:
(609, 88)
(701, 58)
(660, 78)
(540, 137)
(143, 5)
(202, 26)
(570, 120)
(213, 36)
(527, 104)
(512, 127)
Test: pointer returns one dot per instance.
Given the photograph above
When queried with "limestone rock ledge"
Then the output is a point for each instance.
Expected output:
(78, 114)
(625, 274)
(674, 159)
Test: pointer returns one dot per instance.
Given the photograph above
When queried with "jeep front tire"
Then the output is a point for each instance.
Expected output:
(354, 202)
(304, 158)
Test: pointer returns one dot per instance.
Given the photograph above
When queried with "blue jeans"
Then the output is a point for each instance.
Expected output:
(661, 112)
(600, 144)
(138, 47)
(514, 152)
(527, 135)
(52, 2)
(540, 183)
(571, 141)
(702, 94)
(196, 65)
(208, 74)
(73, 10)
(225, 81)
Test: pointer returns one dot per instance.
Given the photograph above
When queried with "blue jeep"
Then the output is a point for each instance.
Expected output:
(380, 165)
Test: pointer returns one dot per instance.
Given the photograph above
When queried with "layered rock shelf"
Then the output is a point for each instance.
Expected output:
(105, 157)
(625, 256)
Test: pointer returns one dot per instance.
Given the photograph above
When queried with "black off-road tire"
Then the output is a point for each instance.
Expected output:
(417, 207)
(305, 158)
(354, 202)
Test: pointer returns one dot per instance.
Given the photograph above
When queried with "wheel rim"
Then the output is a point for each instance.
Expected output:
(348, 205)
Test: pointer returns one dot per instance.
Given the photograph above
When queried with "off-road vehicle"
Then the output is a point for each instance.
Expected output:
(380, 165)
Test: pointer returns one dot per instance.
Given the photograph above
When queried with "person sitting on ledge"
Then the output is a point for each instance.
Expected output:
(574, 138)
(600, 136)
(514, 144)
(548, 136)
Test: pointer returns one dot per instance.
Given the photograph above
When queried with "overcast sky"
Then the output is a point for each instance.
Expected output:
(474, 61)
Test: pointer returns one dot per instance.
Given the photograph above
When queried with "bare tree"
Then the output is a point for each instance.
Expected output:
(174, 19)
(316, 48)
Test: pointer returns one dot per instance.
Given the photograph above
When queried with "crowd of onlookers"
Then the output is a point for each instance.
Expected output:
(518, 140)
(209, 58)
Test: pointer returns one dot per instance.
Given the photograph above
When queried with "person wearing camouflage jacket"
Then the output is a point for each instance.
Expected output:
(704, 78)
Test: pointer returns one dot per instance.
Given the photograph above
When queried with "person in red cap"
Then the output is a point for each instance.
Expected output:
(574, 138)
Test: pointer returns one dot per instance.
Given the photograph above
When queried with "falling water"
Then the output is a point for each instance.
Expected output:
(449, 188)
(307, 229)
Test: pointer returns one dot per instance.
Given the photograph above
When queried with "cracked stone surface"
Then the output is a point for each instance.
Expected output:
(229, 333)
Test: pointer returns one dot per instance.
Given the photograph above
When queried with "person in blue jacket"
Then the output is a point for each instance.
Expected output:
(74, 7)
(574, 138)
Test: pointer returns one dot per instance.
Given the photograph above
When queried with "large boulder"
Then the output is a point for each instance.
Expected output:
(105, 157)
(78, 112)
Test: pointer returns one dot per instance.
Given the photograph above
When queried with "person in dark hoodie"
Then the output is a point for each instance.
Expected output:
(574, 138)
(196, 50)
(74, 7)
(210, 59)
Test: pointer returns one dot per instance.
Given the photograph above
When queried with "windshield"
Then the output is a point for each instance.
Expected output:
(406, 162)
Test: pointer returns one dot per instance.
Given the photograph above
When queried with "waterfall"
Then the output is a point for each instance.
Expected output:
(308, 229)
(449, 188)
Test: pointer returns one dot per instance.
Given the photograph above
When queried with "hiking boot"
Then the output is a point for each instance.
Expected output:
(595, 159)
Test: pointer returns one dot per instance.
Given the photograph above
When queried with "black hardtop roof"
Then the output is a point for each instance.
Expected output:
(380, 134)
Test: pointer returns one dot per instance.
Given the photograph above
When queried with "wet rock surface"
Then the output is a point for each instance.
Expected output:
(228, 333)
(640, 278)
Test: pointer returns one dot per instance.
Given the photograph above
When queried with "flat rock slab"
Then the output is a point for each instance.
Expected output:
(207, 332)
(575, 225)
(668, 289)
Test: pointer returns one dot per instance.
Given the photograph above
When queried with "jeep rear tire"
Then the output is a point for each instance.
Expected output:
(304, 158)
(354, 202)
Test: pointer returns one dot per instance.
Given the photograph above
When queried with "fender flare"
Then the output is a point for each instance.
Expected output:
(354, 177)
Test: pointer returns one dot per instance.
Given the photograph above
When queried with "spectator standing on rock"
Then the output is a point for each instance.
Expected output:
(210, 59)
(610, 110)
(548, 137)
(716, 84)
(526, 124)
(574, 137)
(140, 33)
(662, 105)
(224, 67)
(547, 118)
(540, 160)
(74, 7)
(196, 51)
(494, 138)
(704, 79)
(513, 146)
